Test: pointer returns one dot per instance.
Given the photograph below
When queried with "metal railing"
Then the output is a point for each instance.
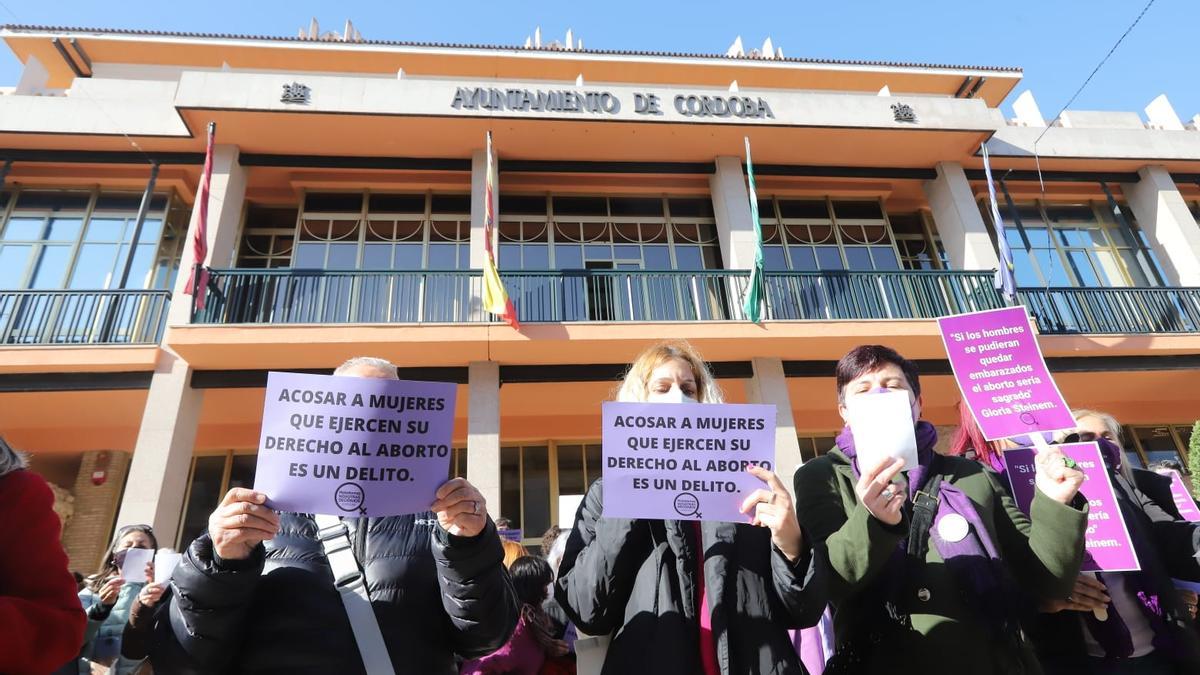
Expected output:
(1113, 310)
(282, 296)
(83, 317)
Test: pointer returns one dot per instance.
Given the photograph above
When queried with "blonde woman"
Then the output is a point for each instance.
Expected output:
(686, 597)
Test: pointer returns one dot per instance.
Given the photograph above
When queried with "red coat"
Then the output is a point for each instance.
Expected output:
(41, 619)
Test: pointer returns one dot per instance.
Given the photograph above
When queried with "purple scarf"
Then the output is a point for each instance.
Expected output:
(1113, 634)
(974, 561)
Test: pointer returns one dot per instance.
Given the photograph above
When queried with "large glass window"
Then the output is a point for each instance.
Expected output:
(1150, 444)
(81, 240)
(616, 258)
(537, 479)
(917, 242)
(808, 235)
(1080, 244)
(212, 475)
(812, 447)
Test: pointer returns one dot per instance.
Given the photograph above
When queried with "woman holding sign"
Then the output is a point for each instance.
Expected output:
(690, 597)
(1145, 627)
(108, 599)
(922, 571)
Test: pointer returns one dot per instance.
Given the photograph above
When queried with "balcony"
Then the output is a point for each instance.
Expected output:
(1098, 311)
(281, 296)
(122, 317)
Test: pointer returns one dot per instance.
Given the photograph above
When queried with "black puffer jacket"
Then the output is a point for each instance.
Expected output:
(435, 595)
(638, 578)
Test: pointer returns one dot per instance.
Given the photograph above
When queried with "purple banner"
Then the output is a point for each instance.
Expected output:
(1107, 546)
(354, 446)
(1001, 373)
(684, 461)
(1183, 499)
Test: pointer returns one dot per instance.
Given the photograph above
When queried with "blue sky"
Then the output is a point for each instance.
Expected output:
(1057, 42)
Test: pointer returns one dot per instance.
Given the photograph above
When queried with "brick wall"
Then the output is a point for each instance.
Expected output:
(87, 534)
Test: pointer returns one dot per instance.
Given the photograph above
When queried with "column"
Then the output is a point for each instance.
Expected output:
(963, 232)
(731, 207)
(1162, 214)
(769, 386)
(483, 431)
(155, 490)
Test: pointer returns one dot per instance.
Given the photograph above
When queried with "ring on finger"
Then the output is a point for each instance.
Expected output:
(888, 493)
(474, 508)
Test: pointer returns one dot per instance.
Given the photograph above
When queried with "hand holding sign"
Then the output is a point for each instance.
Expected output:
(460, 508)
(241, 522)
(1054, 478)
(773, 509)
(882, 498)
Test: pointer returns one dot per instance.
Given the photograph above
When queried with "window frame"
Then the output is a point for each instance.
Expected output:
(777, 219)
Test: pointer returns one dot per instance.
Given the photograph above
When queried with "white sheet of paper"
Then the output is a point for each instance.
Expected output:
(134, 567)
(567, 506)
(165, 563)
(883, 427)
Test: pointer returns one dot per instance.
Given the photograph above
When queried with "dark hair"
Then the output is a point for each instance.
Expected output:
(869, 358)
(108, 567)
(530, 577)
(549, 537)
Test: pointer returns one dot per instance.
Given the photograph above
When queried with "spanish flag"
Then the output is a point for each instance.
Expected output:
(495, 298)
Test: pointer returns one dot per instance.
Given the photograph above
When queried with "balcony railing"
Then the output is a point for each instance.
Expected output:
(82, 317)
(282, 296)
(1114, 310)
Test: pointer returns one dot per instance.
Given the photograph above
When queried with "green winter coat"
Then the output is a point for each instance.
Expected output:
(1043, 555)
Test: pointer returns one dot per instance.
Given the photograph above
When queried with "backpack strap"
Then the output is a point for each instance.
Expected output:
(352, 587)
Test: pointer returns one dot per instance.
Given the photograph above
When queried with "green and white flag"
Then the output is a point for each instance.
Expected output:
(754, 292)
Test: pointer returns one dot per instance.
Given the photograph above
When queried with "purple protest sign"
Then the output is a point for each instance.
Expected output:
(1107, 545)
(354, 446)
(684, 461)
(1183, 499)
(1001, 373)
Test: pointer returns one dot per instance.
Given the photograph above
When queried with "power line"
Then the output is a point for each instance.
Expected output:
(1084, 85)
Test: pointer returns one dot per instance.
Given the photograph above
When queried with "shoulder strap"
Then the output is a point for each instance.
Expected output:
(924, 511)
(352, 586)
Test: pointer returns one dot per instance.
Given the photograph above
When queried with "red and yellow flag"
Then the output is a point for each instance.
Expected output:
(495, 298)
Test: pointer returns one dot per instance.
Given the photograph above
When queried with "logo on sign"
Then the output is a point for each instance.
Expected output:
(350, 497)
(687, 504)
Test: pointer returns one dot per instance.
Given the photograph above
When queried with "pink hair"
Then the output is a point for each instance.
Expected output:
(968, 436)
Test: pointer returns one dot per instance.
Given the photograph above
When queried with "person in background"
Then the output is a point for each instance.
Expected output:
(932, 587)
(532, 643)
(512, 551)
(137, 636)
(693, 597)
(41, 622)
(436, 581)
(554, 544)
(550, 536)
(1147, 630)
(1155, 481)
(968, 442)
(108, 598)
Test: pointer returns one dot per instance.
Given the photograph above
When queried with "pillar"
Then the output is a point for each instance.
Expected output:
(731, 207)
(959, 223)
(158, 475)
(1172, 231)
(483, 431)
(769, 386)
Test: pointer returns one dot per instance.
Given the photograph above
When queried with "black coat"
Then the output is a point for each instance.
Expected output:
(638, 578)
(435, 595)
(1158, 488)
(1175, 553)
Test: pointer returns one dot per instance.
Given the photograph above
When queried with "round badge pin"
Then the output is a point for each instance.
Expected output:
(953, 527)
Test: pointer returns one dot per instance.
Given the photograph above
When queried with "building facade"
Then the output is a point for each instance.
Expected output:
(346, 218)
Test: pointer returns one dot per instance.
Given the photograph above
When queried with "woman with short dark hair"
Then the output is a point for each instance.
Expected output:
(924, 572)
(532, 642)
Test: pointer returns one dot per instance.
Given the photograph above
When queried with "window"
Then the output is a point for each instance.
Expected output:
(82, 239)
(1150, 444)
(808, 235)
(1083, 244)
(918, 243)
(617, 255)
(212, 475)
(812, 447)
(359, 231)
(538, 481)
(633, 233)
(268, 236)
